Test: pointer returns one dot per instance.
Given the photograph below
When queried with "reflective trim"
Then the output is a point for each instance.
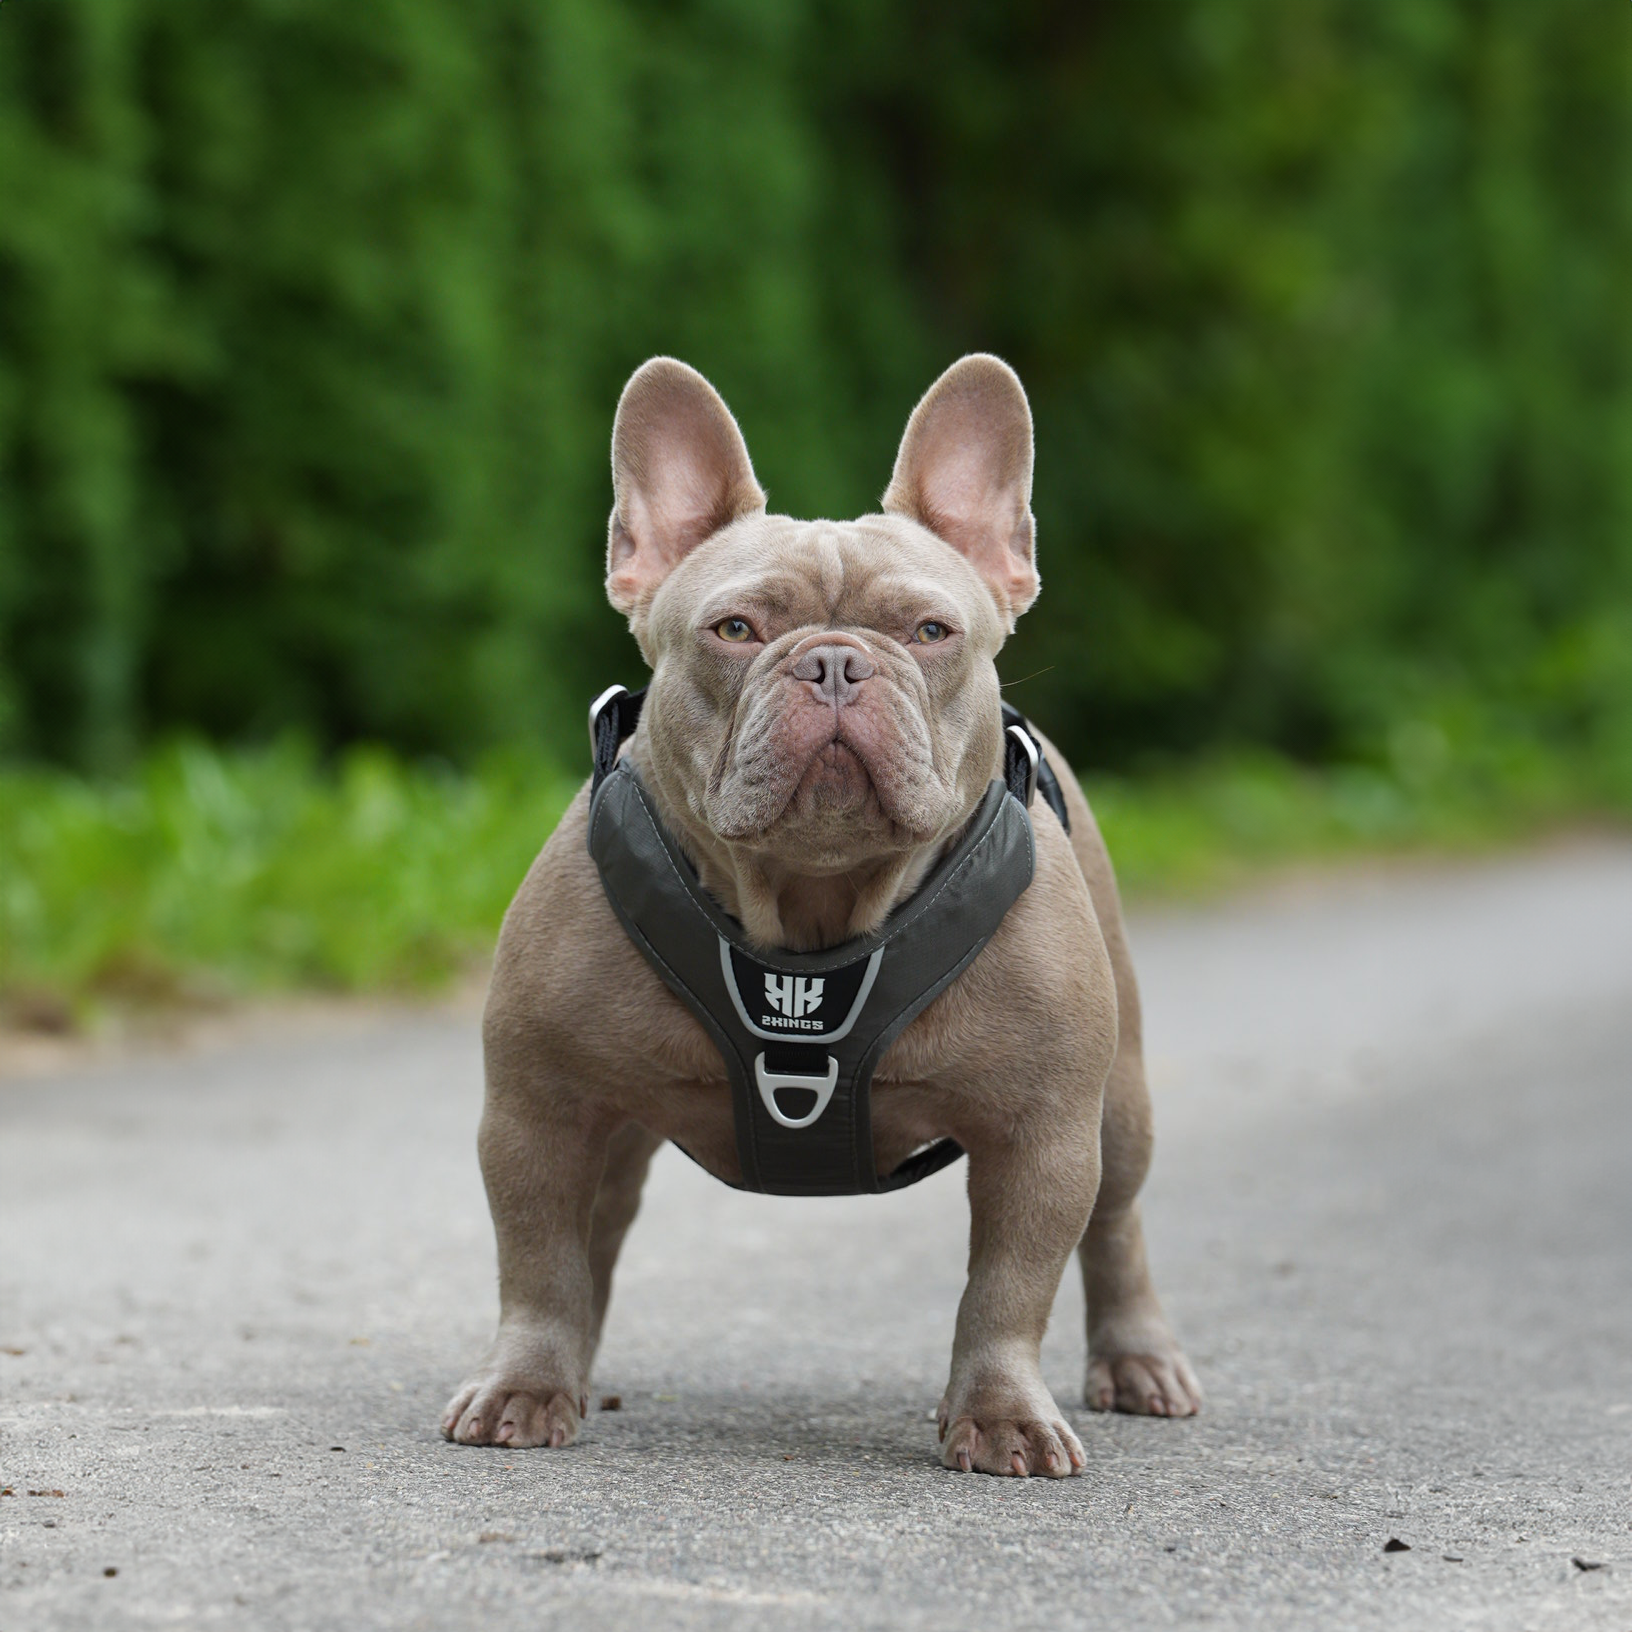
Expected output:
(812, 1037)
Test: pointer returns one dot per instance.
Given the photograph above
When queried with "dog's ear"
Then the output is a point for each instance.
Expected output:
(680, 472)
(964, 472)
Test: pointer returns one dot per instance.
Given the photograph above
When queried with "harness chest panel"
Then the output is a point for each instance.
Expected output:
(802, 1033)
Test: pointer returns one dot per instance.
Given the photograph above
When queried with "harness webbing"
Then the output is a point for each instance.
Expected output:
(802, 1033)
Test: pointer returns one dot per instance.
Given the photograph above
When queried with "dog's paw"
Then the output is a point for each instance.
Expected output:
(499, 1411)
(1017, 1441)
(1158, 1384)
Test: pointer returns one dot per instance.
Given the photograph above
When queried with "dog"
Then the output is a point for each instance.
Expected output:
(822, 722)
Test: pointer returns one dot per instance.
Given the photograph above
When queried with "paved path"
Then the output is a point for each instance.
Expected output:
(1392, 1216)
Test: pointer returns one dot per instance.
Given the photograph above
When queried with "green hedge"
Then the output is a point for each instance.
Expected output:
(312, 318)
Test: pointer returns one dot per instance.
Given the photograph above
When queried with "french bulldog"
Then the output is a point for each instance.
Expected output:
(821, 723)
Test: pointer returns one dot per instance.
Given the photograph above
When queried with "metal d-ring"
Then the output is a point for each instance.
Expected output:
(770, 1081)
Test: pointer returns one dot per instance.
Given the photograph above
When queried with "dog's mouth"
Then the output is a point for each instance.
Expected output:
(831, 785)
(774, 791)
(836, 778)
(835, 806)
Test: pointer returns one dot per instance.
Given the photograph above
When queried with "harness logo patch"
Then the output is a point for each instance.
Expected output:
(793, 997)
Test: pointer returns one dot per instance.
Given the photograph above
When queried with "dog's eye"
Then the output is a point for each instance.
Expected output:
(735, 630)
(926, 634)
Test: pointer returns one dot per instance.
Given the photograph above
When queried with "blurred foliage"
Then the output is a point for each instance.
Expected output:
(313, 317)
(207, 873)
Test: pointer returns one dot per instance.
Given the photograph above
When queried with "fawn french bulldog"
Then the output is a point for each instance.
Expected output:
(821, 728)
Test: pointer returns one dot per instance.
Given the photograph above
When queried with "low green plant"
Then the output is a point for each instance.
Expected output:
(1459, 780)
(208, 873)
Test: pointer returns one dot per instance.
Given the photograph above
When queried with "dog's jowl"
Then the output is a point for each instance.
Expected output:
(817, 889)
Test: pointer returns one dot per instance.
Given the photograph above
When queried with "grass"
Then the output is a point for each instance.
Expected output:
(210, 874)
(1199, 829)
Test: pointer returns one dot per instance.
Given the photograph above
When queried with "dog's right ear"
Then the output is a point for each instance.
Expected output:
(680, 473)
(964, 472)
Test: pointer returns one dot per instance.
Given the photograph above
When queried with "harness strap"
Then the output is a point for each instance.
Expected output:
(613, 717)
(801, 1034)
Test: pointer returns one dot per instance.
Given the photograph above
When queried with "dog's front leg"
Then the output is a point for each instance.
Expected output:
(1030, 1193)
(542, 1157)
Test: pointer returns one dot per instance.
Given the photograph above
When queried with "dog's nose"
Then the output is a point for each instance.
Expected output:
(836, 670)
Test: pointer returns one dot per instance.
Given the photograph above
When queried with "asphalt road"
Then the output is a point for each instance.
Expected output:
(1391, 1216)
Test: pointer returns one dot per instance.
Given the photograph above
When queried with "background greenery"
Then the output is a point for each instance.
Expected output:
(207, 873)
(313, 317)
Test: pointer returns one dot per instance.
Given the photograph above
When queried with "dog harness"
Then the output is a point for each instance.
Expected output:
(802, 1033)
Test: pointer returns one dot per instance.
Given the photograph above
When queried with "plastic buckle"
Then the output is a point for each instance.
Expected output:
(1023, 737)
(770, 1081)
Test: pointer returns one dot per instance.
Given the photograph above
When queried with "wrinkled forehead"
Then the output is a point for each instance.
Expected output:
(848, 574)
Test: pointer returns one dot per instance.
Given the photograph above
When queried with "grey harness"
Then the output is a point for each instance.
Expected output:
(802, 1033)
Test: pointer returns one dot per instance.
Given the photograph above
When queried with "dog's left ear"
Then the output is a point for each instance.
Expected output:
(680, 472)
(964, 472)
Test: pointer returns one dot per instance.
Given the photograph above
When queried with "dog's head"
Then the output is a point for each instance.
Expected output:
(823, 710)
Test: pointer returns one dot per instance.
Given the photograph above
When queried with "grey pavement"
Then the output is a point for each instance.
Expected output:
(1391, 1215)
